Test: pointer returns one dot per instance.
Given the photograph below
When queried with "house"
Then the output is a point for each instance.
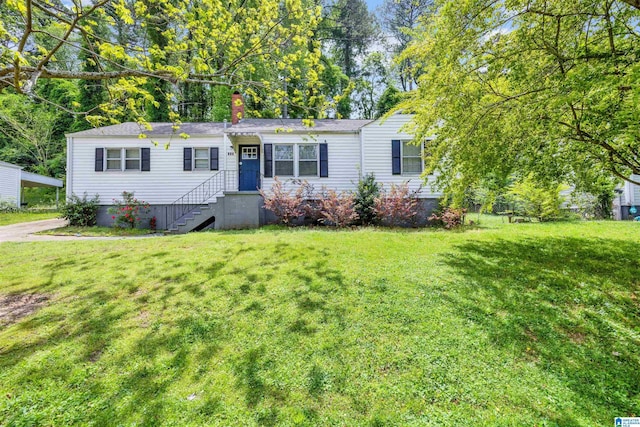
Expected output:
(211, 178)
(13, 179)
(628, 198)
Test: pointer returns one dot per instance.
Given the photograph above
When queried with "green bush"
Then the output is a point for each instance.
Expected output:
(365, 200)
(532, 200)
(81, 212)
(8, 206)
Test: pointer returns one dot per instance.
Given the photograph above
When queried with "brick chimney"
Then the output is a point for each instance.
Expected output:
(237, 108)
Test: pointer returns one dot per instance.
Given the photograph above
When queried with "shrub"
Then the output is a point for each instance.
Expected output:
(365, 200)
(285, 205)
(81, 212)
(449, 218)
(398, 207)
(126, 213)
(338, 209)
(8, 206)
(535, 201)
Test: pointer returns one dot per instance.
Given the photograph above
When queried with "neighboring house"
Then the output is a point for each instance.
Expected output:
(13, 179)
(211, 178)
(628, 197)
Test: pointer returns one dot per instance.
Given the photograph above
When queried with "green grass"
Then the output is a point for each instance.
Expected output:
(97, 231)
(506, 325)
(8, 218)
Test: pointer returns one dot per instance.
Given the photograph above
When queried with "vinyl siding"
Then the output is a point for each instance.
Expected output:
(343, 159)
(10, 184)
(636, 189)
(377, 137)
(164, 183)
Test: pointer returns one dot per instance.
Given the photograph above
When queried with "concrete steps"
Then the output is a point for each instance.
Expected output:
(194, 219)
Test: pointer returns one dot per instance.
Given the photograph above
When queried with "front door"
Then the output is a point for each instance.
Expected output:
(249, 166)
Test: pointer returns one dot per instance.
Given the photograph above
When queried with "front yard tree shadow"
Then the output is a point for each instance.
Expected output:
(548, 298)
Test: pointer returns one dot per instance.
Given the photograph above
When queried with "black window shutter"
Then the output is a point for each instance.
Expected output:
(145, 156)
(213, 158)
(99, 159)
(187, 157)
(268, 160)
(324, 160)
(395, 157)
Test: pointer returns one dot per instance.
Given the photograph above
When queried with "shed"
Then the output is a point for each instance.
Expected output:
(13, 179)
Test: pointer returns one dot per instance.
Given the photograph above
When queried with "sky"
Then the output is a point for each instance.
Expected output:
(373, 4)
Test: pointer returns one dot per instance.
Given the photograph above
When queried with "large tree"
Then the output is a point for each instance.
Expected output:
(211, 43)
(547, 87)
(399, 18)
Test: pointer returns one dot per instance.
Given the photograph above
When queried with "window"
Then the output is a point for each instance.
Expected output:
(201, 158)
(132, 159)
(114, 159)
(249, 153)
(307, 160)
(411, 158)
(283, 160)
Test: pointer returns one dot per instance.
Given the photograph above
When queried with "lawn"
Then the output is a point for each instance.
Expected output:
(8, 218)
(97, 231)
(502, 325)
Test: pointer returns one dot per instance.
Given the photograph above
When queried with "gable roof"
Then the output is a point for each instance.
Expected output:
(158, 129)
(218, 128)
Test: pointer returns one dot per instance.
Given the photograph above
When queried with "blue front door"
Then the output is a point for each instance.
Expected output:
(249, 166)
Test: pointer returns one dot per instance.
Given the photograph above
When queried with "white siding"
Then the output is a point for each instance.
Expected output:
(343, 159)
(636, 190)
(10, 184)
(377, 137)
(164, 183)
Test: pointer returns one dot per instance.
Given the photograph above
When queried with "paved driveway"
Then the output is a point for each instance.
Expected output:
(23, 232)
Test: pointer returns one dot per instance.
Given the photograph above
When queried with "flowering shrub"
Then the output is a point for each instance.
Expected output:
(285, 205)
(338, 209)
(398, 207)
(153, 223)
(449, 218)
(126, 213)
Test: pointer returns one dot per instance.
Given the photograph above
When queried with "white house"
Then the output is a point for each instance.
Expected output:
(213, 175)
(627, 199)
(13, 179)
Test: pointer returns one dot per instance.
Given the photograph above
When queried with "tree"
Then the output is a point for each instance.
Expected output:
(351, 28)
(528, 86)
(215, 43)
(400, 18)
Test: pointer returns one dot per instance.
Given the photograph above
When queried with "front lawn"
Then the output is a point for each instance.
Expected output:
(97, 231)
(507, 325)
(8, 218)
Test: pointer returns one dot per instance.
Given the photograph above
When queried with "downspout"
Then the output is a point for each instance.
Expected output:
(69, 179)
(362, 171)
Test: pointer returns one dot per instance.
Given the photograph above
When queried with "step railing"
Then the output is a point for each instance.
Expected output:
(192, 200)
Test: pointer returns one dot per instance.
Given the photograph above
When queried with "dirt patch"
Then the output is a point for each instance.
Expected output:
(15, 307)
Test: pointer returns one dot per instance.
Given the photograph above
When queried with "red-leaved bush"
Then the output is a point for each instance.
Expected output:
(449, 218)
(397, 207)
(338, 209)
(285, 205)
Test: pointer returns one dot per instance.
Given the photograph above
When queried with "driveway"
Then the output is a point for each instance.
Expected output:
(23, 232)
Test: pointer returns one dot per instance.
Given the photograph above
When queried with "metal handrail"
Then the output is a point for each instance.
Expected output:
(190, 201)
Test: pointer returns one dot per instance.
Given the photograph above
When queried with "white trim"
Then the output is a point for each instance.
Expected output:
(69, 171)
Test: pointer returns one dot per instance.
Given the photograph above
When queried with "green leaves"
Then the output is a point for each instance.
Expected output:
(541, 87)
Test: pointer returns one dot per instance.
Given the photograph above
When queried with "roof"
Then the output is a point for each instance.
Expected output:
(296, 125)
(157, 129)
(10, 165)
(218, 128)
(29, 179)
